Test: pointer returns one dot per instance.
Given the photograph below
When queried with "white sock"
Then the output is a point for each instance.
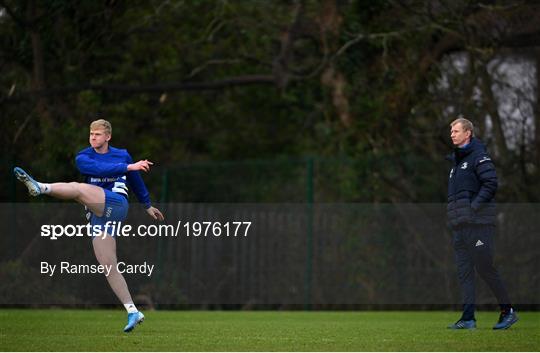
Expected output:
(45, 188)
(131, 308)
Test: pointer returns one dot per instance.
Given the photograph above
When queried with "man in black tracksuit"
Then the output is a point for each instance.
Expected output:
(472, 217)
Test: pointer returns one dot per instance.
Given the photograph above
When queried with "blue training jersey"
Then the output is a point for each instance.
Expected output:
(109, 171)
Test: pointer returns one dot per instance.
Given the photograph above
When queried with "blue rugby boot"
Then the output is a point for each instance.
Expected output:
(506, 319)
(26, 179)
(463, 325)
(133, 320)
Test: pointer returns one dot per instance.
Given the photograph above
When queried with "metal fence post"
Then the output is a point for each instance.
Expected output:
(13, 196)
(163, 200)
(309, 240)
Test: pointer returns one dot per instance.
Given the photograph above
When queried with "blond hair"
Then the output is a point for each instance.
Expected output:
(101, 124)
(465, 123)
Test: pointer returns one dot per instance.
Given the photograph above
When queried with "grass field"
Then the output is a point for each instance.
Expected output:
(101, 330)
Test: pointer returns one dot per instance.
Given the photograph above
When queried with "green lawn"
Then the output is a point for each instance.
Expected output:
(101, 330)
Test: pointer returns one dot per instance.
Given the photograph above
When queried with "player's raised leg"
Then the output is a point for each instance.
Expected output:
(105, 250)
(89, 195)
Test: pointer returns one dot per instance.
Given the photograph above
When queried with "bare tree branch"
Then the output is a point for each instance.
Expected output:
(202, 67)
(22, 126)
(362, 36)
(156, 88)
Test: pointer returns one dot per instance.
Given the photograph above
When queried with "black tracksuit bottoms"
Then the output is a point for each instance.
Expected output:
(474, 246)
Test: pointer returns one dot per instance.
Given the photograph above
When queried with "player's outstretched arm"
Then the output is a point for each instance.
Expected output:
(89, 166)
(143, 165)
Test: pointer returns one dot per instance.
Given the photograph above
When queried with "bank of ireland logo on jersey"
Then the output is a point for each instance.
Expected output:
(464, 165)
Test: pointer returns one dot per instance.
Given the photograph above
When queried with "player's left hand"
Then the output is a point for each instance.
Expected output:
(155, 213)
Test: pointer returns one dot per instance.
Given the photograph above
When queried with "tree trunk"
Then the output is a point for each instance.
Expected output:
(330, 23)
(491, 106)
(38, 74)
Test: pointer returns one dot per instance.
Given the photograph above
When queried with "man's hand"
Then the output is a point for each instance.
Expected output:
(155, 213)
(143, 165)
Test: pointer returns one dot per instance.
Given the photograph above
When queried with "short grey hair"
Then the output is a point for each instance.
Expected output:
(466, 123)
